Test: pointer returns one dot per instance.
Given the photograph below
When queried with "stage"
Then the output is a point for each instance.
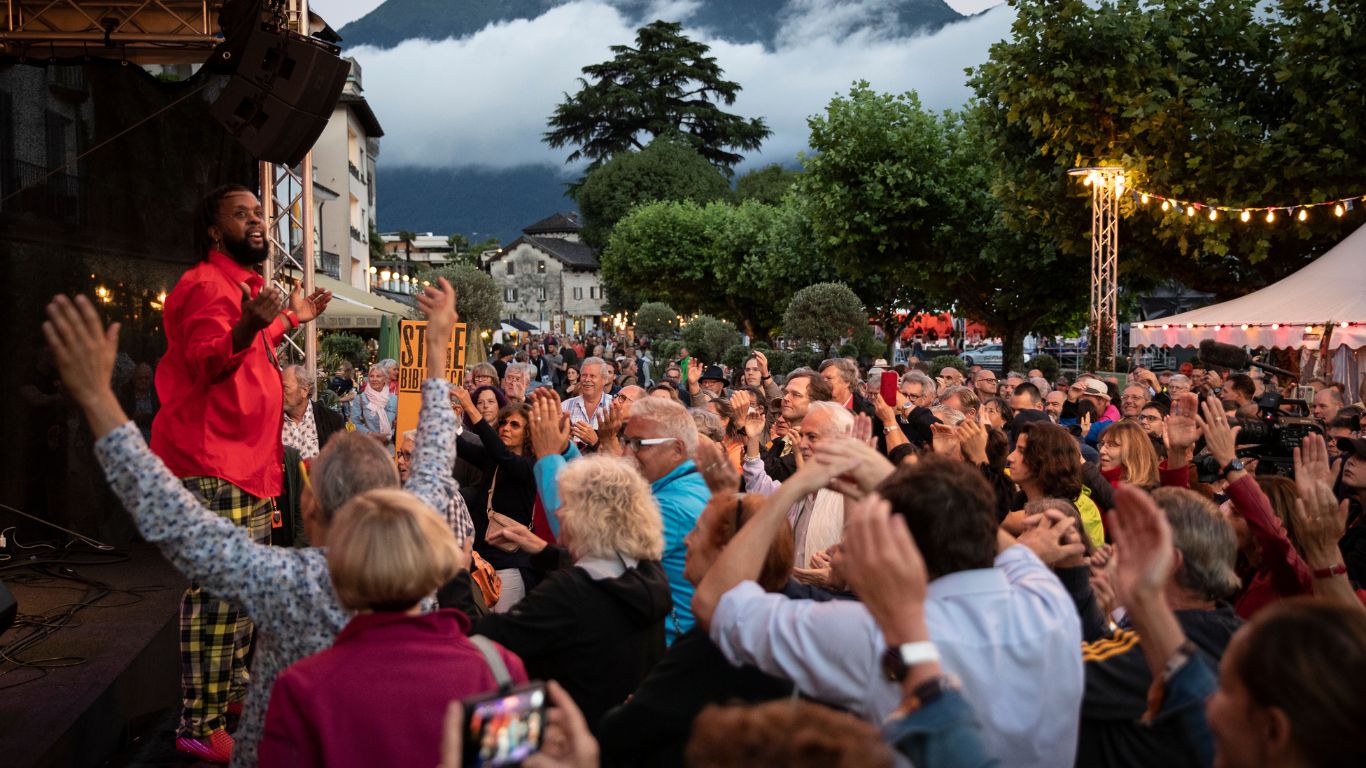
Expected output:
(103, 673)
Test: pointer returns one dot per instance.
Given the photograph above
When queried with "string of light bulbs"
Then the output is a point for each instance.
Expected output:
(1244, 213)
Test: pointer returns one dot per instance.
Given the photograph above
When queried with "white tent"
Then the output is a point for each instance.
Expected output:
(1291, 314)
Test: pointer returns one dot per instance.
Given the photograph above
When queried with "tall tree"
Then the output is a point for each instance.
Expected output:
(668, 168)
(875, 190)
(666, 83)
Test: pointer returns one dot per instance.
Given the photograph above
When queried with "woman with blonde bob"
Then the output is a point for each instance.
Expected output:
(596, 623)
(1127, 453)
(379, 695)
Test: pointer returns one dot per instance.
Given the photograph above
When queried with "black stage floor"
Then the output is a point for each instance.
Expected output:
(107, 672)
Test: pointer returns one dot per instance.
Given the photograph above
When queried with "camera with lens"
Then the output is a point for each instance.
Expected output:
(1272, 436)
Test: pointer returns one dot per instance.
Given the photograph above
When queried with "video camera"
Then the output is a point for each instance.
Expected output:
(1270, 437)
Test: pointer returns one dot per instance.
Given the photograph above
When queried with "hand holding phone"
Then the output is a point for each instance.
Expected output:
(505, 727)
(890, 386)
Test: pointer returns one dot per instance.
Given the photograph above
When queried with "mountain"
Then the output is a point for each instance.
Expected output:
(445, 201)
(741, 21)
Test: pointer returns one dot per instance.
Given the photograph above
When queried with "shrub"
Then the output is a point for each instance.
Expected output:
(656, 320)
(1047, 364)
(824, 313)
(947, 361)
(708, 338)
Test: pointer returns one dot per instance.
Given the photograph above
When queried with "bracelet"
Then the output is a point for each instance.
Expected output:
(765, 378)
(291, 317)
(1328, 573)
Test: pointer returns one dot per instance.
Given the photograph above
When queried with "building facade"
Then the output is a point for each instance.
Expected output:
(549, 277)
(344, 162)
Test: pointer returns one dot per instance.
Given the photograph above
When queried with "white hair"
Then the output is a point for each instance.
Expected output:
(950, 416)
(841, 420)
(1179, 378)
(587, 361)
(672, 419)
(930, 386)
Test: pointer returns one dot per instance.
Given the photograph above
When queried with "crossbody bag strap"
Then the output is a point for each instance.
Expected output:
(492, 484)
(495, 662)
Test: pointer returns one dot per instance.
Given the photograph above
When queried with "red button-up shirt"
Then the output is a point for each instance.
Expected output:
(220, 412)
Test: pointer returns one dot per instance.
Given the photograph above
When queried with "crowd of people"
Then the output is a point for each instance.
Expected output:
(842, 565)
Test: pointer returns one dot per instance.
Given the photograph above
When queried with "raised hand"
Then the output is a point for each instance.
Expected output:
(257, 314)
(1053, 537)
(886, 413)
(762, 360)
(1220, 438)
(549, 426)
(885, 568)
(863, 429)
(437, 303)
(694, 372)
(461, 396)
(584, 433)
(716, 470)
(972, 439)
(1311, 461)
(84, 349)
(945, 442)
(1182, 427)
(854, 461)
(1143, 545)
(308, 308)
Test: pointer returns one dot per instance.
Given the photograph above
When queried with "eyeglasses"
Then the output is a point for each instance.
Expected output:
(635, 443)
(1149, 417)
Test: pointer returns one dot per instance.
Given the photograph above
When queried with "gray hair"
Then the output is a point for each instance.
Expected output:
(841, 420)
(1015, 375)
(587, 361)
(950, 416)
(671, 418)
(305, 382)
(380, 367)
(1179, 378)
(966, 396)
(1208, 547)
(1041, 384)
(847, 368)
(929, 385)
(350, 464)
(389, 364)
(708, 423)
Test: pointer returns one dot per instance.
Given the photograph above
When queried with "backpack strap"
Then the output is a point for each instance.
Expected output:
(495, 662)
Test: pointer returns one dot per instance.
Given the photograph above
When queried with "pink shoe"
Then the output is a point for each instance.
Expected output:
(217, 748)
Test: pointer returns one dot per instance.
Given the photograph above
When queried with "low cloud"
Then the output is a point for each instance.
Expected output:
(482, 101)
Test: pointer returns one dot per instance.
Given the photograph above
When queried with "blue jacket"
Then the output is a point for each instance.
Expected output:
(681, 495)
(364, 418)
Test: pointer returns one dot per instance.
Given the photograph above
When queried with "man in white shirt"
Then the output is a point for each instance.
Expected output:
(592, 403)
(1003, 623)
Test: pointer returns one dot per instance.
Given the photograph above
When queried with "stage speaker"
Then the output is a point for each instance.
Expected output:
(282, 92)
(9, 608)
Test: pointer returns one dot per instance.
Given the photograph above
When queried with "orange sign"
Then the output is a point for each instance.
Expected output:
(412, 369)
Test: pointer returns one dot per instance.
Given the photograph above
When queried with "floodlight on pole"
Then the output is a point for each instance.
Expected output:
(1107, 184)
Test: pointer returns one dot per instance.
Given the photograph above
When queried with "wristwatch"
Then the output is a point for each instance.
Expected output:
(898, 659)
(1232, 466)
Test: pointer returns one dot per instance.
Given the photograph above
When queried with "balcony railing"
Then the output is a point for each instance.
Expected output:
(329, 264)
(357, 235)
(350, 166)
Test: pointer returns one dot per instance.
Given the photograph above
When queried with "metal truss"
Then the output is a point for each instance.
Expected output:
(287, 197)
(1107, 184)
(141, 31)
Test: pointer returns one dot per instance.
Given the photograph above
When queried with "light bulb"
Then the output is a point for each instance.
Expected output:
(1190, 325)
(1244, 326)
(373, 270)
(1218, 327)
(1144, 198)
(1164, 326)
(1190, 211)
(1213, 214)
(1343, 324)
(1303, 215)
(1246, 216)
(1166, 206)
(1337, 210)
(1270, 215)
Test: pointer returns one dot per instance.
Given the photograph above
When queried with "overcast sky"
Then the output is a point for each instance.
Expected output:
(483, 101)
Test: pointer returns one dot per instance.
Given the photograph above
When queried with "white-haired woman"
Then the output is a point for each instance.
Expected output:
(379, 695)
(597, 627)
(375, 410)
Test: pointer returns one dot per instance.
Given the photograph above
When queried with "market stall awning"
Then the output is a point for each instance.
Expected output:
(354, 308)
(518, 325)
(1287, 314)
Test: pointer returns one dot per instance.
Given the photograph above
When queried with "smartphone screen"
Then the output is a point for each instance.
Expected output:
(504, 728)
(890, 385)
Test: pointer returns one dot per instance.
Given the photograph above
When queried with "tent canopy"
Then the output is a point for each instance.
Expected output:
(1330, 289)
(353, 308)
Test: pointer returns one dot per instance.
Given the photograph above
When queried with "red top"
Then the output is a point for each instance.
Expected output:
(377, 697)
(1282, 572)
(221, 412)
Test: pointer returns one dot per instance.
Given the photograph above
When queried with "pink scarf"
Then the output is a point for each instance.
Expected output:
(379, 399)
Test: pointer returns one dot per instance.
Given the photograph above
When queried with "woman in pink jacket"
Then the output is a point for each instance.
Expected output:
(379, 695)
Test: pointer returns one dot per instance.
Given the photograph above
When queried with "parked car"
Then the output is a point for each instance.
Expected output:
(987, 356)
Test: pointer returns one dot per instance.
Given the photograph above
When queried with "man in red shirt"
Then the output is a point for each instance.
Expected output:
(219, 431)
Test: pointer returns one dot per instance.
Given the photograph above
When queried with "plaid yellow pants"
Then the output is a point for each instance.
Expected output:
(215, 636)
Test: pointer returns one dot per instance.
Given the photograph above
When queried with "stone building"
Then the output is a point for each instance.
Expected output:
(549, 278)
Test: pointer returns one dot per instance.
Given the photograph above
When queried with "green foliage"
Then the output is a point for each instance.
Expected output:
(468, 252)
(1047, 365)
(339, 346)
(708, 338)
(735, 355)
(667, 169)
(740, 262)
(866, 345)
(477, 298)
(1276, 97)
(665, 84)
(947, 361)
(656, 320)
(1121, 363)
(765, 185)
(376, 244)
(875, 191)
(664, 351)
(824, 313)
